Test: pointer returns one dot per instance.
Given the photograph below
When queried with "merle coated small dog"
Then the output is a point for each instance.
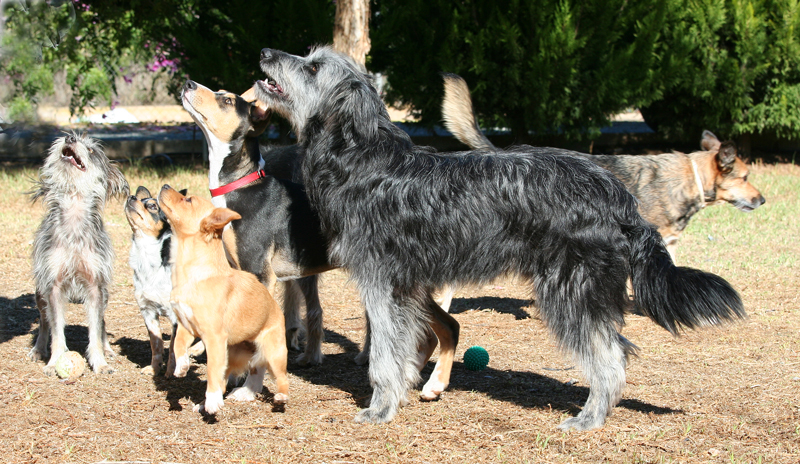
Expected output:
(404, 220)
(152, 271)
(73, 258)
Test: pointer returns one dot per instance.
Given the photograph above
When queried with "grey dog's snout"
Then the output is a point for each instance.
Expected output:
(266, 53)
(70, 139)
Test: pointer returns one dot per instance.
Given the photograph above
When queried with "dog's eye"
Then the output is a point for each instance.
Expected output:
(228, 101)
(744, 178)
(151, 207)
(313, 68)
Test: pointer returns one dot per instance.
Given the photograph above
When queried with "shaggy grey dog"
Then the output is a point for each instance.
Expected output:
(72, 253)
(404, 220)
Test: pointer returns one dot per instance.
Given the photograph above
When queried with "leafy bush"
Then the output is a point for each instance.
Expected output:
(533, 65)
(732, 66)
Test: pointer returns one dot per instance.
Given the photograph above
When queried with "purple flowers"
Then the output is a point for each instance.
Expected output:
(162, 60)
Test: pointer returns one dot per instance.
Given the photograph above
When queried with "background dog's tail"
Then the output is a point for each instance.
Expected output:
(459, 118)
(676, 297)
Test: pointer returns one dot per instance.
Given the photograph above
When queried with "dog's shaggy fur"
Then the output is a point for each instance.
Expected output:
(405, 220)
(72, 253)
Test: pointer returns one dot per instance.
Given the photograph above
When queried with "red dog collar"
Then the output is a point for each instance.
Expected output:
(238, 183)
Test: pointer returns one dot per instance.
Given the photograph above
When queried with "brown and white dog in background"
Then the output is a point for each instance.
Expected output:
(240, 324)
(73, 259)
(670, 187)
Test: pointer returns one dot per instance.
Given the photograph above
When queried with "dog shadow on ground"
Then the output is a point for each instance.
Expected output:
(514, 306)
(17, 316)
(532, 390)
(137, 351)
(525, 389)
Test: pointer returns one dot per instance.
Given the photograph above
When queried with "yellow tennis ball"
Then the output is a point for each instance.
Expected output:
(70, 365)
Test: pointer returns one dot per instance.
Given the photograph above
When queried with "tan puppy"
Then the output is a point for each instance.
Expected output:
(230, 310)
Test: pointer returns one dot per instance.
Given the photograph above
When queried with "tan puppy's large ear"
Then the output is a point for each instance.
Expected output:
(217, 220)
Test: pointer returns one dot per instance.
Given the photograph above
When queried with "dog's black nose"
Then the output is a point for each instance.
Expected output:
(266, 53)
(70, 139)
(190, 85)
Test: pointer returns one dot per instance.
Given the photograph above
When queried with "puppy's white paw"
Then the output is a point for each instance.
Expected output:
(280, 399)
(242, 394)
(182, 366)
(212, 404)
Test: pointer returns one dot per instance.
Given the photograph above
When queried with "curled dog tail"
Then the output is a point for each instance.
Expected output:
(458, 115)
(676, 297)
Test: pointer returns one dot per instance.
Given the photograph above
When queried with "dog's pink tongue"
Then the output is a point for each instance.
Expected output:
(274, 87)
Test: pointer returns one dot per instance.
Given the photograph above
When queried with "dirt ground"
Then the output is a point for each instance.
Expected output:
(720, 395)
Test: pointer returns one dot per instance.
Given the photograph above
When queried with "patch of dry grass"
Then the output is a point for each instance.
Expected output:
(721, 395)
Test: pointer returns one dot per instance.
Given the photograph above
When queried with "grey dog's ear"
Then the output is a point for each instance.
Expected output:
(356, 109)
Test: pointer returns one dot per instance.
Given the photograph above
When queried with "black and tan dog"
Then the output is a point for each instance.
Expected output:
(278, 236)
(670, 187)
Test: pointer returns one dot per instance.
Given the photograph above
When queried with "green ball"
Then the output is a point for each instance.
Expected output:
(476, 358)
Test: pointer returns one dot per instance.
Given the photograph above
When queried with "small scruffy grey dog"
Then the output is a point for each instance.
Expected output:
(72, 254)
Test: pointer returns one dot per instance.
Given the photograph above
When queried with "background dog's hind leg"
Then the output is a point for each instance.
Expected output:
(314, 328)
(95, 305)
(444, 297)
(362, 358)
(238, 361)
(397, 329)
(40, 348)
(292, 295)
(447, 330)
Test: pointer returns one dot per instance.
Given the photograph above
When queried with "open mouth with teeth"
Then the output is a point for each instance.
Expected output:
(68, 154)
(269, 85)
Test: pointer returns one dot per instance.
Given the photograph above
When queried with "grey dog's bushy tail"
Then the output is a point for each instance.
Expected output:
(677, 297)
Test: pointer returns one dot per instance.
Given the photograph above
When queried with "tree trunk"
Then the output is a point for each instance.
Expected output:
(351, 29)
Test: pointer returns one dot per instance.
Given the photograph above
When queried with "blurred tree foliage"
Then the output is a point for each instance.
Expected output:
(556, 65)
(42, 38)
(218, 44)
(536, 66)
(214, 43)
(731, 66)
(532, 65)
